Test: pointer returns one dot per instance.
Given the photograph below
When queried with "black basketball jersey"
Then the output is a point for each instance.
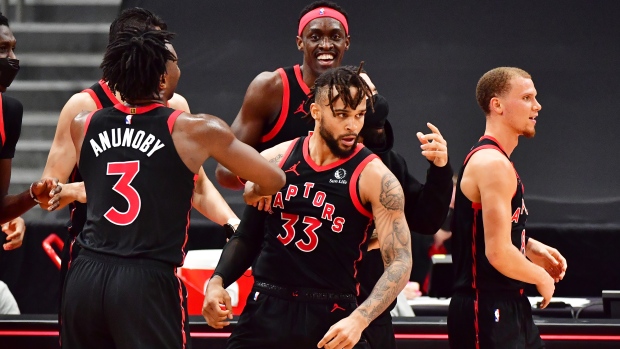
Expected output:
(318, 225)
(11, 112)
(290, 123)
(102, 95)
(472, 268)
(139, 190)
(103, 98)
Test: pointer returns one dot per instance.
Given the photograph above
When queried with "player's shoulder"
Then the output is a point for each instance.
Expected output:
(11, 105)
(490, 161)
(268, 80)
(376, 169)
(9, 100)
(202, 122)
(178, 102)
(81, 101)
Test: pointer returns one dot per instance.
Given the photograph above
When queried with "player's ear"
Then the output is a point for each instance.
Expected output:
(315, 112)
(300, 43)
(162, 82)
(496, 105)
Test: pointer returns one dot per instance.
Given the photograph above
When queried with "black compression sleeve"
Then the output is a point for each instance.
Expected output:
(243, 247)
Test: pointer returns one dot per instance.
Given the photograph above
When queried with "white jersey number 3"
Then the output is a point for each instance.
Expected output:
(128, 171)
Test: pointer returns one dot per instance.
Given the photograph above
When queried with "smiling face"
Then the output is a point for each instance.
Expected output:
(339, 128)
(323, 42)
(520, 107)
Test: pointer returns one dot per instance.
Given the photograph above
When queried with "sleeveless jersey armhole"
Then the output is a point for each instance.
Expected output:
(354, 186)
(286, 94)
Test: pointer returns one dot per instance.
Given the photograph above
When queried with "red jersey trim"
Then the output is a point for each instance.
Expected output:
(288, 152)
(318, 168)
(172, 118)
(300, 79)
(108, 92)
(474, 271)
(137, 110)
(286, 96)
(490, 146)
(94, 97)
(87, 122)
(357, 202)
(183, 332)
(2, 132)
(491, 138)
(357, 284)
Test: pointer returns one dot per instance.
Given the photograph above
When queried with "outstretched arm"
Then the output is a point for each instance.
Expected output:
(381, 188)
(13, 206)
(262, 103)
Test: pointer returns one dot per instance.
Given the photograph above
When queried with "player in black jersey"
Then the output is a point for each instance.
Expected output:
(311, 242)
(11, 112)
(490, 250)
(275, 102)
(139, 161)
(61, 159)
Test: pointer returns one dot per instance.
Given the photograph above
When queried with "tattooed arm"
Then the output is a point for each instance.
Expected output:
(387, 200)
(379, 187)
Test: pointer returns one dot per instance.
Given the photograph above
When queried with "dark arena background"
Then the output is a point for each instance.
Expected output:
(425, 57)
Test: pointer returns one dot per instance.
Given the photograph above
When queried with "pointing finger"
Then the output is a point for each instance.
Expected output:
(433, 128)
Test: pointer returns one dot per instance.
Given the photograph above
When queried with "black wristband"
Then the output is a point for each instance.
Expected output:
(229, 229)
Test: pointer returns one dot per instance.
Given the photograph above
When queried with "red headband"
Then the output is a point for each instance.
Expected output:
(322, 12)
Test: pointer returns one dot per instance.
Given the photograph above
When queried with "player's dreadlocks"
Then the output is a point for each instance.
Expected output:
(135, 17)
(341, 78)
(134, 63)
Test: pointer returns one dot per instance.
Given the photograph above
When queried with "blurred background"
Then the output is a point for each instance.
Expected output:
(425, 57)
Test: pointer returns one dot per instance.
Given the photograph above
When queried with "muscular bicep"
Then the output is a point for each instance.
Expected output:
(496, 183)
(77, 133)
(62, 157)
(261, 104)
(382, 189)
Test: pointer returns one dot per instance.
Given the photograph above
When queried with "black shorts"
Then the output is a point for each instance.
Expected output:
(114, 302)
(380, 334)
(502, 320)
(277, 317)
(68, 254)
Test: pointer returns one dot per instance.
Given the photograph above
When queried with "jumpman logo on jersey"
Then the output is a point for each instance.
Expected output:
(301, 109)
(337, 307)
(294, 168)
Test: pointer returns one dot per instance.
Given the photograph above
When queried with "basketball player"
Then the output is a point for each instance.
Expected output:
(11, 112)
(139, 161)
(61, 160)
(490, 250)
(311, 241)
(276, 102)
